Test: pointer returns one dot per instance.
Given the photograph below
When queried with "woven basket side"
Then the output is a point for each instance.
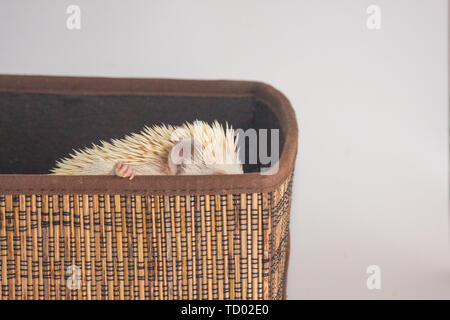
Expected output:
(279, 239)
(144, 247)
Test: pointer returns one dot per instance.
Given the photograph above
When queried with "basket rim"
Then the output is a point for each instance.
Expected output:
(254, 182)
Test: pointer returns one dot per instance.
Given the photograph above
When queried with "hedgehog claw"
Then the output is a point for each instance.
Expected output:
(124, 170)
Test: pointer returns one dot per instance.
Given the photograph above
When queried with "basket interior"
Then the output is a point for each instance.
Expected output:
(38, 129)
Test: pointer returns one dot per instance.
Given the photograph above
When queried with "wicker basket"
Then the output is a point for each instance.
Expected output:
(155, 237)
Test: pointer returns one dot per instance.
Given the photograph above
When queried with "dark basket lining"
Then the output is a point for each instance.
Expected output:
(39, 128)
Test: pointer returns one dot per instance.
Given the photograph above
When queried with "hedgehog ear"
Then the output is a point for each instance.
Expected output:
(182, 153)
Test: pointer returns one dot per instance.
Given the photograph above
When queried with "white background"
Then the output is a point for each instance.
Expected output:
(371, 184)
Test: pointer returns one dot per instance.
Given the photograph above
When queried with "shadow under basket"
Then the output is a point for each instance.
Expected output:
(154, 237)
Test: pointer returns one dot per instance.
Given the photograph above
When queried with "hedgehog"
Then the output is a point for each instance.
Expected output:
(195, 148)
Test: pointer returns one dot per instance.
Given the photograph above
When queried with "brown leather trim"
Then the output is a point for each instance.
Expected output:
(286, 267)
(173, 185)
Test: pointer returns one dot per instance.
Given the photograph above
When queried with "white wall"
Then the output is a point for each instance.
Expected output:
(371, 183)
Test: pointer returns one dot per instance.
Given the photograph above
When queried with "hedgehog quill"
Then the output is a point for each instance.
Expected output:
(189, 149)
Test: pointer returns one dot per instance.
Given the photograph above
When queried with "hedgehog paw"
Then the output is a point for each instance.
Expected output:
(124, 170)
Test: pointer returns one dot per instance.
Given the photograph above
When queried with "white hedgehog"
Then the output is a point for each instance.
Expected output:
(193, 148)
